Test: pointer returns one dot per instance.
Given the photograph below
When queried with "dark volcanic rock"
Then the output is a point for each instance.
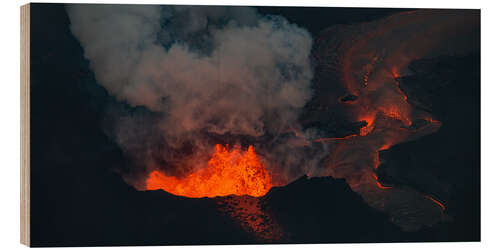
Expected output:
(78, 199)
(349, 98)
(437, 84)
(444, 164)
(324, 209)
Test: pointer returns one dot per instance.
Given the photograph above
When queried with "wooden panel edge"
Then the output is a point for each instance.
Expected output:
(25, 125)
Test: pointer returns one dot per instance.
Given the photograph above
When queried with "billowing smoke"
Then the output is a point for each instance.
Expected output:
(194, 75)
(191, 77)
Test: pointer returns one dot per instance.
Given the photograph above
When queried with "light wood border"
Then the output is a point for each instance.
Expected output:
(25, 125)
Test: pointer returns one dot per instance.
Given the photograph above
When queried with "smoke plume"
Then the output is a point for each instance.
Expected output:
(196, 73)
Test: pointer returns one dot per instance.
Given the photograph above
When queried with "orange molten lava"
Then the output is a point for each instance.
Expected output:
(227, 172)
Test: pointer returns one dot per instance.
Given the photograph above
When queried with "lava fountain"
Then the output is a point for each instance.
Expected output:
(237, 178)
(228, 172)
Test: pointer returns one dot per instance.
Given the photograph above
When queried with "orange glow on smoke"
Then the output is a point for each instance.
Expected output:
(227, 172)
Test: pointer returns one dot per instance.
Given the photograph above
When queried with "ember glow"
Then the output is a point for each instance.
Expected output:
(229, 171)
(249, 212)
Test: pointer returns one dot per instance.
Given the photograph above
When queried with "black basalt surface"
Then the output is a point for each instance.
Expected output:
(444, 164)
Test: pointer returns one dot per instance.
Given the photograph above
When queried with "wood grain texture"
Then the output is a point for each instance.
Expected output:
(25, 124)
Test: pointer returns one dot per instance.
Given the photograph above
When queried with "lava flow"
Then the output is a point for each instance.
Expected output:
(228, 172)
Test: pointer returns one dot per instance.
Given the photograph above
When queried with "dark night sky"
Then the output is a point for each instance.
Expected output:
(316, 19)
